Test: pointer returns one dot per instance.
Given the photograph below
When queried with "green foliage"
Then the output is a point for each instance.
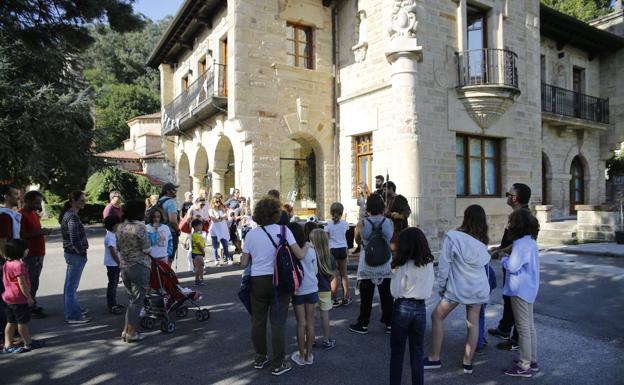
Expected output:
(581, 9)
(116, 104)
(92, 212)
(131, 186)
(615, 166)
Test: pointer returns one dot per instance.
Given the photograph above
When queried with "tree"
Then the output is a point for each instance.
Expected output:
(581, 9)
(46, 109)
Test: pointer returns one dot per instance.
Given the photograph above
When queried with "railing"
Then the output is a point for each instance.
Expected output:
(209, 84)
(487, 66)
(560, 101)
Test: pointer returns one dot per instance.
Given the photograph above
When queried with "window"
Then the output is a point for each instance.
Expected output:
(543, 68)
(299, 46)
(364, 159)
(477, 166)
(185, 83)
(201, 66)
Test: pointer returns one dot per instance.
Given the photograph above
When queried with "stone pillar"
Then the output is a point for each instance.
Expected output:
(198, 183)
(218, 176)
(403, 54)
(543, 213)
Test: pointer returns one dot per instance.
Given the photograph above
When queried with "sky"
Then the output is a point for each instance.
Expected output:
(157, 9)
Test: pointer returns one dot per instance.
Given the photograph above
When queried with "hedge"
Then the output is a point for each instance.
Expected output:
(92, 212)
(131, 186)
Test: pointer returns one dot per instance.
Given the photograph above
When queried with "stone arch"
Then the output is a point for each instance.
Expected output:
(184, 174)
(223, 166)
(201, 175)
(579, 182)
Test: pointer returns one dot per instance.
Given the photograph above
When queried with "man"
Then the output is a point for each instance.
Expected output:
(187, 204)
(9, 229)
(167, 203)
(233, 202)
(34, 235)
(114, 207)
(397, 208)
(517, 198)
(379, 181)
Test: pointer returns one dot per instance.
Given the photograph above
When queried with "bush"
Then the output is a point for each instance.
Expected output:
(131, 186)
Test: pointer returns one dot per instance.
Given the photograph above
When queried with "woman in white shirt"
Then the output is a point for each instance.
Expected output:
(219, 231)
(260, 251)
(411, 284)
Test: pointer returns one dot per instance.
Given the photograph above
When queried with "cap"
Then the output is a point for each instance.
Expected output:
(169, 186)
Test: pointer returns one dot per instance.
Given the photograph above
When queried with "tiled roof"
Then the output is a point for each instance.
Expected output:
(119, 154)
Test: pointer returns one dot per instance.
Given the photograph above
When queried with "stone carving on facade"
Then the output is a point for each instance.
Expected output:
(485, 107)
(360, 49)
(403, 22)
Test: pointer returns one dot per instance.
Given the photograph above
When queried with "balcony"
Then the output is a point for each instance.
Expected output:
(487, 83)
(203, 98)
(569, 109)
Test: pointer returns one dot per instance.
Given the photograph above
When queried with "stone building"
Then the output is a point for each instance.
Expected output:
(455, 100)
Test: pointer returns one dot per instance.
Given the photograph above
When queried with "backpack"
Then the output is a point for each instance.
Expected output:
(287, 269)
(159, 205)
(377, 251)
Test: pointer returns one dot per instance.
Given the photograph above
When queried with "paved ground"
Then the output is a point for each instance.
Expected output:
(578, 316)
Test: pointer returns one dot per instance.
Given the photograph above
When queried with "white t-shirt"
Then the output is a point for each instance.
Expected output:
(109, 240)
(337, 234)
(220, 228)
(159, 239)
(262, 251)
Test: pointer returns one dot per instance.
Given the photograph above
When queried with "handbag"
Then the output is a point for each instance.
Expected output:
(185, 226)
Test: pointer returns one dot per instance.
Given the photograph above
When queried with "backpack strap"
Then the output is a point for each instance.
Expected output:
(270, 237)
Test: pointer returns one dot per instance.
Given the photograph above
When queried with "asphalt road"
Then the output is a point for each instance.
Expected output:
(579, 315)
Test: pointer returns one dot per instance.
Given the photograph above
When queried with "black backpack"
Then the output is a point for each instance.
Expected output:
(287, 270)
(377, 251)
(159, 204)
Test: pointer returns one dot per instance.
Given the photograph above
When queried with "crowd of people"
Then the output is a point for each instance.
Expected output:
(392, 257)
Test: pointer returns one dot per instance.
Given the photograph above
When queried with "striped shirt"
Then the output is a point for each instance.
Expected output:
(74, 235)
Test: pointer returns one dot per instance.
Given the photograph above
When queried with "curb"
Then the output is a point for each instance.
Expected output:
(594, 253)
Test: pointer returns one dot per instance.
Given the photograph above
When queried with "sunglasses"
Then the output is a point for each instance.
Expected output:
(509, 195)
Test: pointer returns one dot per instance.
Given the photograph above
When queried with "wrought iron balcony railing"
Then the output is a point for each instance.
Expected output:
(487, 66)
(208, 85)
(559, 101)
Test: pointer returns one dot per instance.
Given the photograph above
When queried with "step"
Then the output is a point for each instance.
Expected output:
(555, 242)
(557, 234)
(564, 225)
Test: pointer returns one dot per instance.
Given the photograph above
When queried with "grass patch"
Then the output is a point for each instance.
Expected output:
(49, 222)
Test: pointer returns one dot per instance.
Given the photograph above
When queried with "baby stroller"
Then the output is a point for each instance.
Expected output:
(167, 296)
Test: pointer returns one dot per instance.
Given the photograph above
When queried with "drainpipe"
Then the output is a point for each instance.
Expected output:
(335, 112)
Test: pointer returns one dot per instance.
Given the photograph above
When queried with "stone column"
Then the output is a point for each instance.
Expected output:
(218, 176)
(403, 54)
(198, 183)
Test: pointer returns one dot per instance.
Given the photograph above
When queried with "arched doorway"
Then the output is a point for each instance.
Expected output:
(546, 180)
(223, 172)
(298, 176)
(184, 175)
(200, 172)
(577, 184)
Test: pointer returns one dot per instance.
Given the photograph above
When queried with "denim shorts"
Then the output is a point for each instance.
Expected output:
(311, 298)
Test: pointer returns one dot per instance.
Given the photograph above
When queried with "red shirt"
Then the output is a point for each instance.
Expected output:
(11, 270)
(110, 209)
(31, 223)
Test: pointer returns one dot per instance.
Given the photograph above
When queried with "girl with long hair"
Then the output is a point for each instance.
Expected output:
(219, 231)
(463, 280)
(337, 231)
(326, 267)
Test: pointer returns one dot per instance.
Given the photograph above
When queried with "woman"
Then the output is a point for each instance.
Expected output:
(362, 195)
(219, 231)
(412, 283)
(75, 247)
(371, 276)
(151, 201)
(522, 285)
(134, 248)
(463, 280)
(259, 244)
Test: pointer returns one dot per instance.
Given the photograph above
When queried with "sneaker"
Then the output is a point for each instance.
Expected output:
(496, 332)
(297, 359)
(85, 311)
(16, 349)
(427, 364)
(516, 371)
(336, 303)
(388, 329)
(467, 369)
(283, 368)
(508, 345)
(358, 328)
(230, 262)
(534, 366)
(260, 362)
(346, 301)
(134, 337)
(329, 343)
(82, 320)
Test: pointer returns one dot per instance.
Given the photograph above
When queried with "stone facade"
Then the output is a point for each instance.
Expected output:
(391, 70)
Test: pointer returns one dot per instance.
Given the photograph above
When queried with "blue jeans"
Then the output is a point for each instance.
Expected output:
(75, 266)
(409, 321)
(215, 248)
(481, 340)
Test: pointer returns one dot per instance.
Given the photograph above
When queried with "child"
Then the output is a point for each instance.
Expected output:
(17, 296)
(198, 251)
(337, 230)
(411, 284)
(111, 261)
(326, 267)
(247, 223)
(304, 301)
(159, 235)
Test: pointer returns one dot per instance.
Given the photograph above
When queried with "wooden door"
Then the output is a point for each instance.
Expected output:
(577, 184)
(223, 71)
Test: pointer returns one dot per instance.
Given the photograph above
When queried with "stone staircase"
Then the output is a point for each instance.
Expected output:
(558, 233)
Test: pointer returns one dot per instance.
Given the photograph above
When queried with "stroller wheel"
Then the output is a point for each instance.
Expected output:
(147, 322)
(181, 312)
(199, 315)
(167, 327)
(206, 314)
